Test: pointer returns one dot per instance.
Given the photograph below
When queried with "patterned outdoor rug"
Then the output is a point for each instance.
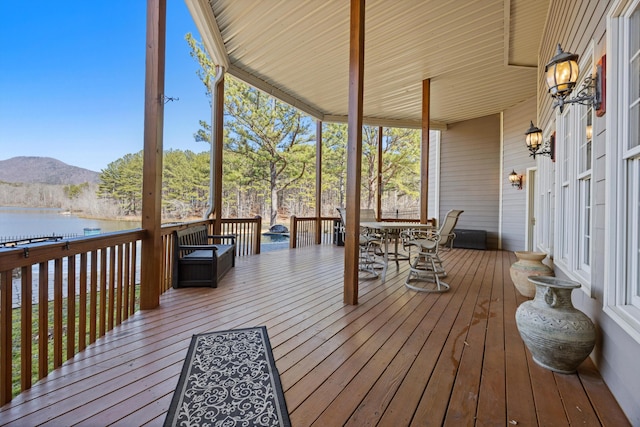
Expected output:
(229, 379)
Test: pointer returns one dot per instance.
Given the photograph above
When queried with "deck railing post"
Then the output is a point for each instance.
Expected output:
(293, 232)
(6, 337)
(256, 237)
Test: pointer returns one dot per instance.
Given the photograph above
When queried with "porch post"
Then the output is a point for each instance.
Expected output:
(217, 131)
(151, 255)
(354, 151)
(424, 152)
(379, 176)
(318, 182)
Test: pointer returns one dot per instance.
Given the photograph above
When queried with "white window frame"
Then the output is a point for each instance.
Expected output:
(544, 205)
(622, 217)
(584, 177)
(434, 173)
(571, 232)
(565, 209)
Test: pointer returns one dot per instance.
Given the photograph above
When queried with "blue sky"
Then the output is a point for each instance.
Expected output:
(72, 80)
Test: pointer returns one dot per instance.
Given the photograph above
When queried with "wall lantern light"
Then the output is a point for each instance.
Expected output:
(562, 73)
(533, 139)
(516, 180)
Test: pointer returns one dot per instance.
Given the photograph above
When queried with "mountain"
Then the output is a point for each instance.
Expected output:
(44, 170)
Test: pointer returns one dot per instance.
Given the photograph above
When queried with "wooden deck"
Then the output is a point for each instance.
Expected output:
(398, 358)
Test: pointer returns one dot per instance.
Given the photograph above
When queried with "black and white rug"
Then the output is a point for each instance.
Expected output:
(229, 379)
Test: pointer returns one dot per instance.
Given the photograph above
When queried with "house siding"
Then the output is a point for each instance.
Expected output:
(576, 25)
(470, 174)
(516, 121)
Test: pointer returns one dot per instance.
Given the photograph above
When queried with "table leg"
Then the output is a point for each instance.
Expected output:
(386, 255)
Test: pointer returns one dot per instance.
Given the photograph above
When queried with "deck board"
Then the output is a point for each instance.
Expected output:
(398, 358)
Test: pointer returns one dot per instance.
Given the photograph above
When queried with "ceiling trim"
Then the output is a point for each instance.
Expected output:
(507, 30)
(389, 123)
(265, 87)
(507, 39)
(212, 39)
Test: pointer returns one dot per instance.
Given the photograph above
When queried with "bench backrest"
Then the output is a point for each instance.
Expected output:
(196, 235)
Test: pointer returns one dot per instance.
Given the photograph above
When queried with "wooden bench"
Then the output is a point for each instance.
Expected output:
(198, 261)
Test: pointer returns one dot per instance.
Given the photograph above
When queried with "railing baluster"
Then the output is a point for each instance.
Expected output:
(111, 287)
(71, 306)
(26, 328)
(126, 271)
(57, 313)
(132, 298)
(82, 303)
(118, 284)
(43, 320)
(103, 292)
(93, 298)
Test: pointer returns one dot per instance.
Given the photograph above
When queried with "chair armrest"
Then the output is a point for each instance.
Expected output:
(413, 234)
(197, 247)
(223, 237)
(451, 235)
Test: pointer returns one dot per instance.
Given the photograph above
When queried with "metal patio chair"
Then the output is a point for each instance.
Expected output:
(370, 247)
(427, 265)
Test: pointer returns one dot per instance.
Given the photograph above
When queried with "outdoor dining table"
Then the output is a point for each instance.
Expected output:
(389, 230)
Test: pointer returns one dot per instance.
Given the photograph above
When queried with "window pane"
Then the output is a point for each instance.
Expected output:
(565, 221)
(565, 140)
(633, 228)
(585, 221)
(586, 135)
(634, 30)
(634, 126)
(634, 79)
(634, 85)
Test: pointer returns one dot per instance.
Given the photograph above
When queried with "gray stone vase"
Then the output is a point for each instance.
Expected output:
(559, 336)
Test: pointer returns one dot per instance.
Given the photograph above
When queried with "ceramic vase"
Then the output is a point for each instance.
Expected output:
(558, 335)
(528, 264)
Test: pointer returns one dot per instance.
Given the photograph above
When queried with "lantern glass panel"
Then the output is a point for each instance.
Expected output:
(534, 140)
(561, 77)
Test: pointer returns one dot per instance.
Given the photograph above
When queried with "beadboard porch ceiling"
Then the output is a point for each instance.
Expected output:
(481, 56)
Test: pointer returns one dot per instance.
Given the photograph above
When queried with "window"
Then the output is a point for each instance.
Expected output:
(543, 240)
(574, 188)
(633, 227)
(584, 226)
(566, 218)
(622, 297)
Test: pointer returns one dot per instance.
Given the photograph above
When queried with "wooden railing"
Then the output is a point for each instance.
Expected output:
(247, 232)
(302, 231)
(90, 281)
(72, 291)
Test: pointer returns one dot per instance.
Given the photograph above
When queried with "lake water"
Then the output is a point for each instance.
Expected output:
(19, 223)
